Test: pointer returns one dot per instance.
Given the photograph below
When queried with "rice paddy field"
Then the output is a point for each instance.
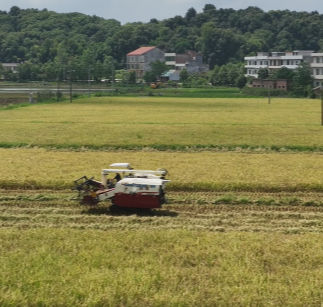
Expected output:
(243, 225)
(165, 123)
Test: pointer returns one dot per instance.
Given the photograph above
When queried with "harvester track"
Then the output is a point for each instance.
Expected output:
(210, 212)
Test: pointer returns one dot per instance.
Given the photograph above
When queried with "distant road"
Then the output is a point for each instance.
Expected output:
(13, 90)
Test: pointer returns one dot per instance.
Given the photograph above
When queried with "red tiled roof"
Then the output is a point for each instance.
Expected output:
(141, 51)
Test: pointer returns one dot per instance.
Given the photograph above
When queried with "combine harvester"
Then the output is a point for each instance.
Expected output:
(128, 188)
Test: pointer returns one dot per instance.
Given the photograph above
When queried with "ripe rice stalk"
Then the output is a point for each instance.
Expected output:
(166, 123)
(203, 171)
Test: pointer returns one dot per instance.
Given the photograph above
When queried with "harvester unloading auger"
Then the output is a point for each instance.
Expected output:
(128, 189)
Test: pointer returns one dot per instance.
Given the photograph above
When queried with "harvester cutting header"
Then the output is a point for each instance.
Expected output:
(129, 188)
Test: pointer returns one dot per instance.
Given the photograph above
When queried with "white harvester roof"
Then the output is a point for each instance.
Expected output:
(125, 165)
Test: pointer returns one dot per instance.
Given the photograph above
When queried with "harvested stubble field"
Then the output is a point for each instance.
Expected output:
(243, 226)
(218, 212)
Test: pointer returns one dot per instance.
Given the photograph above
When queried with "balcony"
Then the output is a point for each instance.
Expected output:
(317, 65)
(256, 66)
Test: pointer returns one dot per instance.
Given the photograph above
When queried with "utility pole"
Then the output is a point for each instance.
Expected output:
(112, 75)
(269, 92)
(58, 88)
(58, 79)
(31, 98)
(89, 78)
(127, 77)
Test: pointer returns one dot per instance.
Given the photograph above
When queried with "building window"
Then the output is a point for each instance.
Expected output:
(317, 71)
(170, 59)
(317, 60)
(291, 62)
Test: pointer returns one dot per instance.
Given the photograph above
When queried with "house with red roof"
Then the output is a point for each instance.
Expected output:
(139, 59)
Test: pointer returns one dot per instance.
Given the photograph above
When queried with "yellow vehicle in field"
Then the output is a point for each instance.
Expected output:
(155, 85)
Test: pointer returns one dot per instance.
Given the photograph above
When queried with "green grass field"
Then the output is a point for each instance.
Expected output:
(243, 226)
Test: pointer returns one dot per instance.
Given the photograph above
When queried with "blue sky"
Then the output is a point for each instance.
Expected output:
(143, 10)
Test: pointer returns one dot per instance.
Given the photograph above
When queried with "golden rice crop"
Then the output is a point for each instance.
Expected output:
(60, 267)
(40, 168)
(146, 121)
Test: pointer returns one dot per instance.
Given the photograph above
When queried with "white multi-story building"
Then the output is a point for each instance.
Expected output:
(276, 60)
(317, 68)
(254, 63)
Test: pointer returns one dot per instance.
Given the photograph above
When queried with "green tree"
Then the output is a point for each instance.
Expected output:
(190, 14)
(263, 73)
(283, 73)
(109, 67)
(179, 44)
(132, 77)
(209, 7)
(158, 68)
(241, 81)
(228, 74)
(214, 76)
(222, 44)
(183, 75)
(222, 35)
(149, 77)
(1, 70)
(303, 80)
(14, 11)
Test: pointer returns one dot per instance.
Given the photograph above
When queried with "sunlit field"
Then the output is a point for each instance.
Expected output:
(194, 171)
(243, 225)
(159, 268)
(165, 122)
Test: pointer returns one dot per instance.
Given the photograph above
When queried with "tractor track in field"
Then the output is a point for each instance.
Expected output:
(197, 211)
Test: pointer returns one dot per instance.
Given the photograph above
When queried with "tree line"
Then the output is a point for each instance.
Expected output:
(55, 45)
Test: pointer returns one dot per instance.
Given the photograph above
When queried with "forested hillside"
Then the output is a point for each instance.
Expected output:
(48, 39)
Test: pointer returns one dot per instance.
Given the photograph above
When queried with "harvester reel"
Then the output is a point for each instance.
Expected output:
(82, 185)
